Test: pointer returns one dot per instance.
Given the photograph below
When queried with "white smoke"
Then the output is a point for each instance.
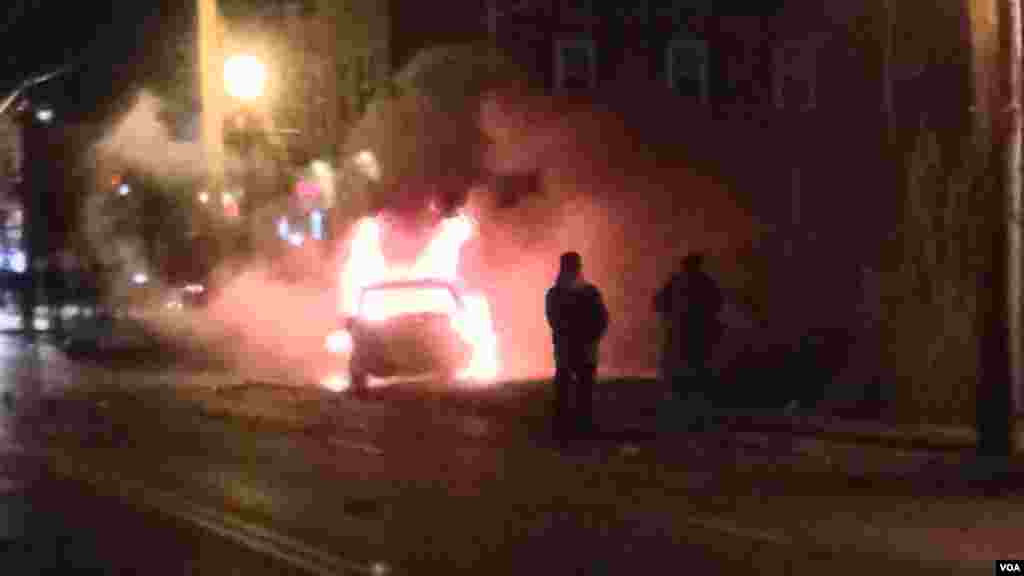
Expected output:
(605, 194)
(141, 140)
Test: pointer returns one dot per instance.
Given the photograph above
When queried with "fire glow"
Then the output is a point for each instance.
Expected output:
(367, 265)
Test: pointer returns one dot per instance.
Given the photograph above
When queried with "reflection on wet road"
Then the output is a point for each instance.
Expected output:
(53, 526)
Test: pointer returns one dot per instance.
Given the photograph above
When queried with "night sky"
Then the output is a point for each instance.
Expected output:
(114, 46)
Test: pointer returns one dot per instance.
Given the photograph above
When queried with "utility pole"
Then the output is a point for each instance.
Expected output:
(211, 85)
(998, 99)
(1013, 185)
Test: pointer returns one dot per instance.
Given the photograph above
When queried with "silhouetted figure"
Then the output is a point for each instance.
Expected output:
(578, 318)
(689, 306)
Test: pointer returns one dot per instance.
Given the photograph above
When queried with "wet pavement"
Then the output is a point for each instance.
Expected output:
(55, 527)
(51, 525)
(396, 481)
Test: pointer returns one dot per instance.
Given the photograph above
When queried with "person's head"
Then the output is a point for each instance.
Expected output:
(694, 262)
(570, 266)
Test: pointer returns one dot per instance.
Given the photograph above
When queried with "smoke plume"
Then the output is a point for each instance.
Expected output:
(140, 139)
(631, 212)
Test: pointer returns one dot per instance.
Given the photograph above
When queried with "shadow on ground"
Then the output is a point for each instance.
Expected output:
(156, 354)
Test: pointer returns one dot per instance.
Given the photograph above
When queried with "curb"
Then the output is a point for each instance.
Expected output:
(913, 441)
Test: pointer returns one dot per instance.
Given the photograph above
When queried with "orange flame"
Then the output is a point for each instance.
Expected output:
(367, 265)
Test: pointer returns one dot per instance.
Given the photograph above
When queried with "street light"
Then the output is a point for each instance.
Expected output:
(44, 115)
(13, 96)
(244, 76)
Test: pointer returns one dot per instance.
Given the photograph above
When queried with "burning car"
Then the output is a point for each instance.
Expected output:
(413, 319)
(408, 327)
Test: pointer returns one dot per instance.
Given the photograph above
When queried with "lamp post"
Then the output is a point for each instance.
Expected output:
(210, 69)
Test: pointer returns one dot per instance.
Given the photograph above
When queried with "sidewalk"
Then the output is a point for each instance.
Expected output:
(846, 485)
(636, 403)
(908, 437)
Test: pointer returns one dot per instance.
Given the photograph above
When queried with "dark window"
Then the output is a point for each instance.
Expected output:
(680, 11)
(576, 65)
(638, 13)
(577, 10)
(796, 76)
(686, 67)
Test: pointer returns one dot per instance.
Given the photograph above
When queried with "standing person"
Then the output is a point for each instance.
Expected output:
(578, 318)
(689, 305)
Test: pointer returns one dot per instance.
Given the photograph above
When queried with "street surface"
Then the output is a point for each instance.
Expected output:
(50, 524)
(186, 478)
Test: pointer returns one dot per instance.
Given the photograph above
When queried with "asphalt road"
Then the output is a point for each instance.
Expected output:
(385, 486)
(52, 525)
(66, 528)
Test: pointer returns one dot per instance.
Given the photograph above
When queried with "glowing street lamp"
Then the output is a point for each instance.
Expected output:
(244, 77)
(44, 115)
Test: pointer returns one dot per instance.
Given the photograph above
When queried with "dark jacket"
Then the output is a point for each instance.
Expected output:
(578, 318)
(691, 303)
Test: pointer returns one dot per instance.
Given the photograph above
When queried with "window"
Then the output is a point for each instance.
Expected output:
(686, 67)
(638, 13)
(576, 65)
(679, 11)
(577, 10)
(796, 76)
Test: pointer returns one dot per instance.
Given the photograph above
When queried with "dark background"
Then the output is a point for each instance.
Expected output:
(113, 47)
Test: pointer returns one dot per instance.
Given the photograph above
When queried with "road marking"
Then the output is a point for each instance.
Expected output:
(364, 447)
(732, 529)
(248, 535)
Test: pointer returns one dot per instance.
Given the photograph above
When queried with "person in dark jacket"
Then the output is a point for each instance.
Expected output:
(689, 305)
(578, 318)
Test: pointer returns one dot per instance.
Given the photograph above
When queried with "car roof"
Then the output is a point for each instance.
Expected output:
(414, 284)
(420, 283)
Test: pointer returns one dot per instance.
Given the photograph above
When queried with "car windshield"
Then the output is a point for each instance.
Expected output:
(384, 302)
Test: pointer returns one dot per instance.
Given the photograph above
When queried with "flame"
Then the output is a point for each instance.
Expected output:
(339, 342)
(366, 265)
(336, 382)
